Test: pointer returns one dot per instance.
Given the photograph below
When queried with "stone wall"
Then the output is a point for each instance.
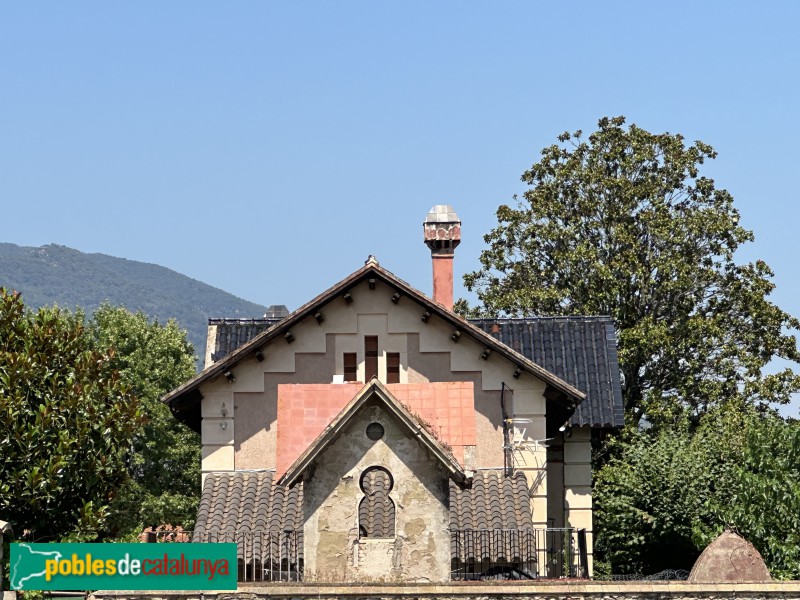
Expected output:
(420, 548)
(545, 590)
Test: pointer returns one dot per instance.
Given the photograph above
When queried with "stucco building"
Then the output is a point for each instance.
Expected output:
(374, 435)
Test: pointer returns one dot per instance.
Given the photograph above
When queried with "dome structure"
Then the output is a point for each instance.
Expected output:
(729, 558)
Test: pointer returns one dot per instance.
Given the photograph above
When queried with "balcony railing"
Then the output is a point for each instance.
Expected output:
(551, 553)
(262, 555)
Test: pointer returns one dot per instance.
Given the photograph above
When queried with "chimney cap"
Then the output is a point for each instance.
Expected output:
(276, 311)
(442, 213)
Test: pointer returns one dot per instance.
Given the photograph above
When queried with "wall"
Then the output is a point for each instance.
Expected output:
(420, 551)
(545, 590)
(242, 433)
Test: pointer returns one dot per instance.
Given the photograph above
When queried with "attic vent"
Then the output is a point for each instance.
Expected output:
(276, 311)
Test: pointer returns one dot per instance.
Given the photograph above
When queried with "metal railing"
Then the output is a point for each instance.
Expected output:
(476, 554)
(262, 555)
(552, 553)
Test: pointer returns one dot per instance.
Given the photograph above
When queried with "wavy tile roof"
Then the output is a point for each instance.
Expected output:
(242, 502)
(492, 501)
(235, 503)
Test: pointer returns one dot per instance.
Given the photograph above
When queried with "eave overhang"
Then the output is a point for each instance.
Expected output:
(369, 271)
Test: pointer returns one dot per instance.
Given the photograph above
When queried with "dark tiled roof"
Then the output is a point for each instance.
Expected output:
(492, 501)
(232, 333)
(491, 519)
(243, 501)
(580, 350)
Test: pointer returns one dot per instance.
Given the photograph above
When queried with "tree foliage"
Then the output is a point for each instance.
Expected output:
(67, 420)
(164, 467)
(662, 499)
(624, 224)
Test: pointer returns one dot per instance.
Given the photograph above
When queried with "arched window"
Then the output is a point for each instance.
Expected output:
(376, 513)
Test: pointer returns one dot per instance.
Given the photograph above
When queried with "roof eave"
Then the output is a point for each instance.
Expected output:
(304, 311)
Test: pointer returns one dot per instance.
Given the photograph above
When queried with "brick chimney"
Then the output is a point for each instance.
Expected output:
(442, 235)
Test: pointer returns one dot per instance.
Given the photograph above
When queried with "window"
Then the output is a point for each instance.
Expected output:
(370, 357)
(350, 366)
(392, 367)
(375, 431)
(376, 513)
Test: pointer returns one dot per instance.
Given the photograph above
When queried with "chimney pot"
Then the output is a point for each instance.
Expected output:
(442, 231)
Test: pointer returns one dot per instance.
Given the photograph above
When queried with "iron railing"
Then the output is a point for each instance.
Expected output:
(262, 555)
(476, 554)
(551, 553)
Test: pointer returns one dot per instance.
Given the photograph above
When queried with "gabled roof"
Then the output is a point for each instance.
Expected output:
(580, 350)
(374, 390)
(186, 396)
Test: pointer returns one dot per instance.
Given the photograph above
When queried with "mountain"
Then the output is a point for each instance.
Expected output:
(59, 275)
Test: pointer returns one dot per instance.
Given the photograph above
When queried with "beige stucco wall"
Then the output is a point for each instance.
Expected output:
(420, 551)
(426, 354)
(239, 419)
(578, 483)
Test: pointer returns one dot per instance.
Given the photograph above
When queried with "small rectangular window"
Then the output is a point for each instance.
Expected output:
(370, 357)
(392, 367)
(350, 366)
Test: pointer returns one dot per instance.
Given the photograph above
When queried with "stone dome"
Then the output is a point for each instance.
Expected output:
(729, 558)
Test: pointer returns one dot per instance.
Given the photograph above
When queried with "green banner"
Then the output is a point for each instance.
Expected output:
(166, 566)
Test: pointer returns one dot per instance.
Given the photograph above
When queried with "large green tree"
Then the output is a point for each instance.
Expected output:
(624, 224)
(164, 467)
(67, 421)
(664, 497)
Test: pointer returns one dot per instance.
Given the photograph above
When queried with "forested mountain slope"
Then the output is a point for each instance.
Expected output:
(55, 274)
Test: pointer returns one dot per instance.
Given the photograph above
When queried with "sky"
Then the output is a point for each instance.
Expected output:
(267, 148)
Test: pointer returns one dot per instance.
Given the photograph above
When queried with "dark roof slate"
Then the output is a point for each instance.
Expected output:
(249, 501)
(232, 333)
(580, 350)
(491, 518)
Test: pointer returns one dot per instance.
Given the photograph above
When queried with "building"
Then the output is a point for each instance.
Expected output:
(374, 435)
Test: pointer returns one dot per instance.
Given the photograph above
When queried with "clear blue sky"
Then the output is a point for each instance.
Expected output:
(267, 148)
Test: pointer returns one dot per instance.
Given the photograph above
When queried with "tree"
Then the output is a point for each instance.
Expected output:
(623, 224)
(67, 420)
(661, 499)
(164, 467)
